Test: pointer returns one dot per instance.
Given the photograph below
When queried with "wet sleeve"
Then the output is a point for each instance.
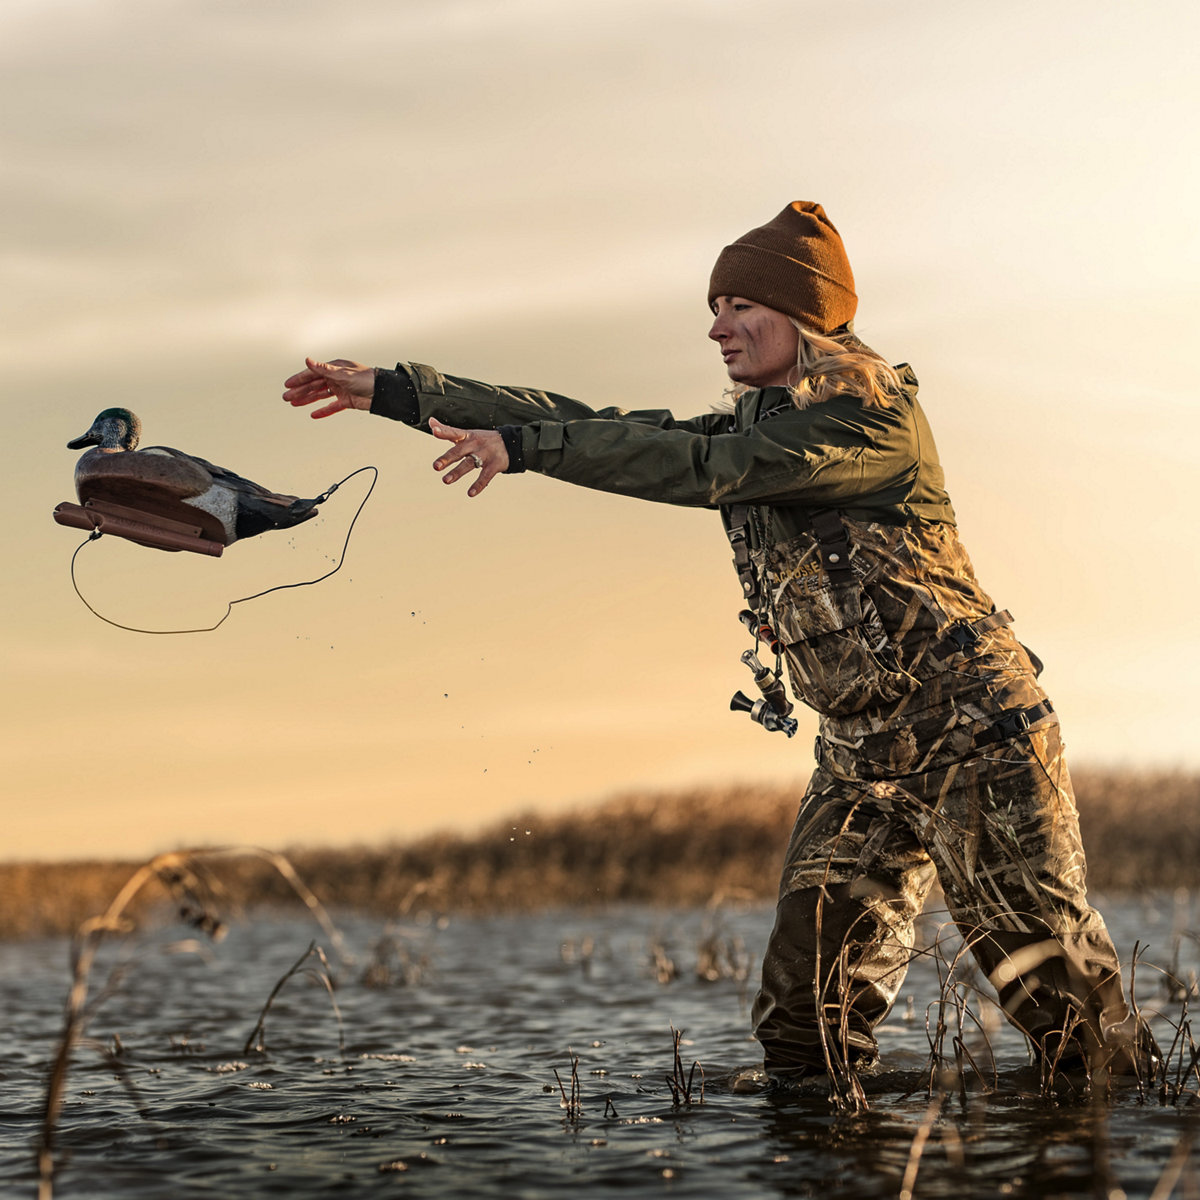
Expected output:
(828, 454)
(414, 392)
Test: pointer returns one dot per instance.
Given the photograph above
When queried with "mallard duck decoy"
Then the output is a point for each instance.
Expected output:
(165, 498)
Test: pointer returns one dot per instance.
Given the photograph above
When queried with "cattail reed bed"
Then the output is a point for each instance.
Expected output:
(676, 848)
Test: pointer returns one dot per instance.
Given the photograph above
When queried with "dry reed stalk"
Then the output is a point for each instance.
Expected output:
(1183, 1050)
(1104, 1181)
(679, 1083)
(183, 874)
(917, 1148)
(256, 1043)
(1193, 1057)
(955, 1149)
(393, 964)
(846, 1091)
(665, 848)
(954, 991)
(661, 962)
(1174, 1166)
(836, 996)
(582, 951)
(574, 1103)
(1182, 1028)
(1051, 1065)
(720, 955)
(1143, 1085)
(1175, 986)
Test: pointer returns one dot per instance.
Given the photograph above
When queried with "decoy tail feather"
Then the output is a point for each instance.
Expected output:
(256, 514)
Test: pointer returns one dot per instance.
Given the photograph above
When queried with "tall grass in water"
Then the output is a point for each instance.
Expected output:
(671, 848)
(679, 1081)
(573, 1103)
(256, 1043)
(187, 878)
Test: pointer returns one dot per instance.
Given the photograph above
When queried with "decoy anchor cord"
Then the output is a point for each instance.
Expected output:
(279, 587)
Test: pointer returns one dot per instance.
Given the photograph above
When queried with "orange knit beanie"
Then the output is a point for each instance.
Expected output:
(795, 264)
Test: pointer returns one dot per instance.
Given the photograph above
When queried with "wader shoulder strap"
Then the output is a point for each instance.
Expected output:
(738, 532)
(833, 543)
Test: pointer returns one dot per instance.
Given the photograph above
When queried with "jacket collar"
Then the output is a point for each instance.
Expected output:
(762, 402)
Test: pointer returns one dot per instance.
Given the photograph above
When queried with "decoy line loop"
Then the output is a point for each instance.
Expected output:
(279, 587)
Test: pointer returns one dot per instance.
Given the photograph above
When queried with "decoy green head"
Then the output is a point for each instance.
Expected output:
(113, 429)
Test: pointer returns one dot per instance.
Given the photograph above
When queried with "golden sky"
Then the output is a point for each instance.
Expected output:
(197, 193)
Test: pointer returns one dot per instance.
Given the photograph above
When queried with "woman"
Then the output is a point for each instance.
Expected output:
(939, 757)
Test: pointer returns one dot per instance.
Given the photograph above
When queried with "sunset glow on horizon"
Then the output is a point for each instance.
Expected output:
(199, 195)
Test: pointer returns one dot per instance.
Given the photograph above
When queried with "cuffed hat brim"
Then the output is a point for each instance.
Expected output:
(795, 264)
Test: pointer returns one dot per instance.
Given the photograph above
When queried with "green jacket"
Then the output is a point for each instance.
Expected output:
(870, 647)
(881, 463)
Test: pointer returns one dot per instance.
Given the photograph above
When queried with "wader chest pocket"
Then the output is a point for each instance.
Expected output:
(837, 652)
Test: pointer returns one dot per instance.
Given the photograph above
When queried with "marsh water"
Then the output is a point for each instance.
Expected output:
(439, 1078)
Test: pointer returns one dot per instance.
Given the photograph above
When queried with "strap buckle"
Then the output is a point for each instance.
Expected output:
(740, 545)
(1013, 724)
(964, 636)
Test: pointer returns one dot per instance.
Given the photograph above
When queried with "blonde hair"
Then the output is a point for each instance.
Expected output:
(837, 364)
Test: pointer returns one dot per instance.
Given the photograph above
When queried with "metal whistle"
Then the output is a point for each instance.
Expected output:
(763, 714)
(760, 629)
(769, 684)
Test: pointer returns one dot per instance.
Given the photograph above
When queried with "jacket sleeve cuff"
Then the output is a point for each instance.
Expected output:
(541, 444)
(395, 396)
(514, 445)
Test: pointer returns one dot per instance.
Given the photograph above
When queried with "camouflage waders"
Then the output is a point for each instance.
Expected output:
(942, 763)
(1001, 835)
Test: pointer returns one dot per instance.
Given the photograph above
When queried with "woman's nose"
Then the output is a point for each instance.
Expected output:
(718, 330)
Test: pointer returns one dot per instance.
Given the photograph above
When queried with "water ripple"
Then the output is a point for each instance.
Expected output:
(448, 1087)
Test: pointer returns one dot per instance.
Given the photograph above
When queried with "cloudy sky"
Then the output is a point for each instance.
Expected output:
(197, 193)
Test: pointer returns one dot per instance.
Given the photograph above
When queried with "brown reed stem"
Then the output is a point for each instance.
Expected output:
(256, 1043)
(679, 1083)
(920, 1138)
(175, 870)
(1174, 1166)
(574, 1103)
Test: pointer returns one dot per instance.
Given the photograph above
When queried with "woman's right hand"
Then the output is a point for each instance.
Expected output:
(344, 383)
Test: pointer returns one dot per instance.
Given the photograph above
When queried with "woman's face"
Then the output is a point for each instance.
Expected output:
(758, 344)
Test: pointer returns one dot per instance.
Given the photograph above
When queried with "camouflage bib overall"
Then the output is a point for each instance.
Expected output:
(939, 760)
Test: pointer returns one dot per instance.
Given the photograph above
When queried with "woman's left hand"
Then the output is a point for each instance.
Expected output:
(470, 449)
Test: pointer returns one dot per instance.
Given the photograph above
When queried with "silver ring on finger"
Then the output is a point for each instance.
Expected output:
(476, 460)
